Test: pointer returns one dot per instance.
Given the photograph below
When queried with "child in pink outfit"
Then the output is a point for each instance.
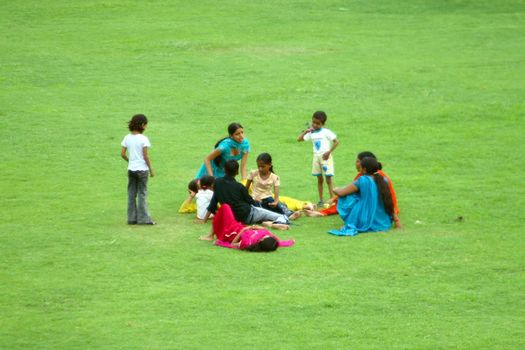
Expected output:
(232, 234)
(256, 240)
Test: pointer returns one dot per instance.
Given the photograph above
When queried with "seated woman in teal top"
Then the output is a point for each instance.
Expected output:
(366, 204)
(233, 147)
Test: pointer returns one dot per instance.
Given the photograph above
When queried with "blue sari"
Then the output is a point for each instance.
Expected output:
(227, 147)
(362, 211)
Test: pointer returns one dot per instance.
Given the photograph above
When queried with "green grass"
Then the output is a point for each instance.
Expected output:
(435, 89)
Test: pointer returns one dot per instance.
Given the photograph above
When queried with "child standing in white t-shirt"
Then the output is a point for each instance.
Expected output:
(135, 151)
(324, 143)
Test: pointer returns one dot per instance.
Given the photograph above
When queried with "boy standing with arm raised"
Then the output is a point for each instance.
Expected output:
(324, 143)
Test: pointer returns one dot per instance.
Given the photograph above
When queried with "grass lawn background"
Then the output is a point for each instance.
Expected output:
(435, 89)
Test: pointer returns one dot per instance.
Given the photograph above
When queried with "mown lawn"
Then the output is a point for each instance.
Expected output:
(435, 89)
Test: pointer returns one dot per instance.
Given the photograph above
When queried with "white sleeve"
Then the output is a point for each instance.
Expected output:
(331, 135)
(146, 142)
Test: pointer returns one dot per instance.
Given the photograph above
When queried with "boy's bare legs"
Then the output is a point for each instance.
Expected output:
(208, 237)
(320, 187)
(330, 185)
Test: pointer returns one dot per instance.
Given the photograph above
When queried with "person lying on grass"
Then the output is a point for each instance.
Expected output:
(231, 233)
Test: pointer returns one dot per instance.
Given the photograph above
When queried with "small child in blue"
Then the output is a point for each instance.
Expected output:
(324, 143)
(135, 151)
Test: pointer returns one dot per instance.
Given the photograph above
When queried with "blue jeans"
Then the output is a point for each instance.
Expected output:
(280, 208)
(138, 187)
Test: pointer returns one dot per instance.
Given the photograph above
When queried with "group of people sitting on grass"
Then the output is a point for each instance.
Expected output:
(367, 204)
(237, 209)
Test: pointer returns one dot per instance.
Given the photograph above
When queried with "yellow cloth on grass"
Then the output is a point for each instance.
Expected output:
(188, 208)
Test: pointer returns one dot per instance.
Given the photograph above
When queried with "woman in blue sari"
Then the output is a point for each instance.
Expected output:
(236, 147)
(366, 204)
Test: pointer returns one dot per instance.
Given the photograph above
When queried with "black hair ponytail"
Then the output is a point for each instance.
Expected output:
(372, 167)
(218, 159)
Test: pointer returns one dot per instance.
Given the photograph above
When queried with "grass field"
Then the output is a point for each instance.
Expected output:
(434, 88)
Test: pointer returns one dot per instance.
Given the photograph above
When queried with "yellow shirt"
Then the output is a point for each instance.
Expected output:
(294, 204)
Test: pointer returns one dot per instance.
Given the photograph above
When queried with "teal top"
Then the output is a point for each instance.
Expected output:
(362, 211)
(230, 149)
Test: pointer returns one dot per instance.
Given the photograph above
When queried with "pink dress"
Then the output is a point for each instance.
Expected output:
(226, 229)
(224, 224)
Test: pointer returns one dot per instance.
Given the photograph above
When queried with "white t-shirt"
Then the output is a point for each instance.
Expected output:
(321, 139)
(135, 144)
(203, 199)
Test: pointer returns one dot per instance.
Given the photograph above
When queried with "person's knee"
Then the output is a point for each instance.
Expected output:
(282, 219)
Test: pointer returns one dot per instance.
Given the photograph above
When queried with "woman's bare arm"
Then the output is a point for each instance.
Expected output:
(344, 191)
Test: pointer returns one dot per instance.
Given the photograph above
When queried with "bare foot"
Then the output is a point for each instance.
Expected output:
(295, 215)
(312, 213)
(280, 226)
(206, 238)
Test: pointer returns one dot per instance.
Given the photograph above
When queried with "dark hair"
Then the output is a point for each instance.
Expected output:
(231, 168)
(365, 154)
(267, 244)
(372, 166)
(321, 116)
(266, 158)
(137, 123)
(207, 181)
(193, 185)
(232, 128)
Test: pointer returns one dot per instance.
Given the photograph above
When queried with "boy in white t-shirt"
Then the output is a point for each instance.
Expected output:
(324, 143)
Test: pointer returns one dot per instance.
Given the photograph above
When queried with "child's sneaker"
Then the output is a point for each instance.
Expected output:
(320, 204)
